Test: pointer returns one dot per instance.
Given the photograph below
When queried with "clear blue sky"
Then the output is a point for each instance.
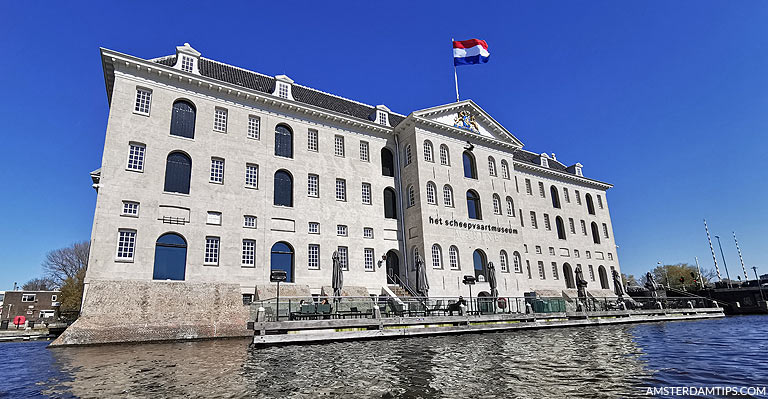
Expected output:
(666, 100)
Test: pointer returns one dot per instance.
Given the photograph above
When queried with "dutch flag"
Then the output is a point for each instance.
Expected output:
(468, 52)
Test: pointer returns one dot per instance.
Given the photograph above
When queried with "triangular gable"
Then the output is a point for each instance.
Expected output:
(469, 117)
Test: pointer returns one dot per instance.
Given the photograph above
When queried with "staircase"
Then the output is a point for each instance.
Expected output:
(399, 291)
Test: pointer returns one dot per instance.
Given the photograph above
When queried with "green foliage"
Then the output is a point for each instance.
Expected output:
(675, 272)
(72, 291)
(39, 284)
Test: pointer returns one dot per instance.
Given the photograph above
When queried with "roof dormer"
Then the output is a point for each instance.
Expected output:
(544, 159)
(187, 59)
(283, 85)
(576, 169)
(381, 115)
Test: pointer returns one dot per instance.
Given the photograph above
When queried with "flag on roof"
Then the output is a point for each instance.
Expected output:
(468, 52)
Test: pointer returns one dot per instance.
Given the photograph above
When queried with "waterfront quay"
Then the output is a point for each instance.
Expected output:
(300, 321)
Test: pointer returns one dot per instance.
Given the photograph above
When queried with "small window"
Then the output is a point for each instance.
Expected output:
(428, 151)
(283, 90)
(126, 243)
(542, 275)
(599, 201)
(547, 224)
(338, 146)
(249, 253)
(367, 232)
(143, 101)
(431, 193)
(516, 262)
(578, 197)
(408, 155)
(610, 256)
(510, 207)
(504, 169)
(247, 299)
(217, 170)
(453, 257)
(566, 196)
(474, 209)
(249, 221)
(312, 140)
(605, 229)
(534, 224)
(445, 157)
(251, 175)
(496, 204)
(130, 208)
(313, 185)
(366, 193)
(364, 153)
(28, 297)
(136, 157)
(341, 230)
(382, 118)
(368, 259)
(314, 228)
(254, 127)
(538, 249)
(528, 189)
(470, 170)
(554, 271)
(552, 251)
(187, 63)
(541, 190)
(491, 166)
(214, 218)
(588, 255)
(343, 258)
(341, 190)
(576, 253)
(504, 261)
(411, 196)
(571, 225)
(211, 251)
(220, 120)
(54, 298)
(313, 257)
(583, 228)
(448, 196)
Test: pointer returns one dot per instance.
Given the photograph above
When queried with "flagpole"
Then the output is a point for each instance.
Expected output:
(455, 77)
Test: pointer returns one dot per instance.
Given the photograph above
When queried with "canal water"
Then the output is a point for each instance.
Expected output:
(587, 362)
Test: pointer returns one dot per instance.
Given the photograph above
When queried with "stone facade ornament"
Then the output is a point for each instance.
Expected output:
(465, 120)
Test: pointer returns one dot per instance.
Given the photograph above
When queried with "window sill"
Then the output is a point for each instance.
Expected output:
(251, 187)
(220, 131)
(211, 264)
(221, 183)
(141, 113)
(134, 170)
(175, 194)
(129, 215)
(182, 137)
(121, 260)
(248, 266)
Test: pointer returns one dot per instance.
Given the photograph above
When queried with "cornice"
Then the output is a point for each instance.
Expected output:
(557, 173)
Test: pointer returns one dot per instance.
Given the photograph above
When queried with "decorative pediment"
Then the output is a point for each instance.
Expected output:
(469, 117)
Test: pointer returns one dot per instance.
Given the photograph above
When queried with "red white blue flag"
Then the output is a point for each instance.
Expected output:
(468, 52)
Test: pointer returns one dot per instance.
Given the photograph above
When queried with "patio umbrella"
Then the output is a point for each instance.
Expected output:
(422, 285)
(338, 276)
(492, 280)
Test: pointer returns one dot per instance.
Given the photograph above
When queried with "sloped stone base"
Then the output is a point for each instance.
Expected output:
(145, 311)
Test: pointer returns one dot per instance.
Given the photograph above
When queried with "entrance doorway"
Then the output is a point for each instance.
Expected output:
(393, 267)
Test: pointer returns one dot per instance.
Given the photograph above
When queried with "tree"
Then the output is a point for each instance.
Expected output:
(72, 291)
(39, 284)
(64, 263)
(675, 272)
(629, 280)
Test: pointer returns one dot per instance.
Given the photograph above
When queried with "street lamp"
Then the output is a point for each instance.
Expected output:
(470, 281)
(276, 277)
(724, 264)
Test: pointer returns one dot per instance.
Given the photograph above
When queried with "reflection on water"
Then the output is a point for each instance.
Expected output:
(588, 362)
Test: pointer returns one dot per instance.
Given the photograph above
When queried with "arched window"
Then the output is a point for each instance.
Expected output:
(595, 233)
(411, 196)
(555, 196)
(504, 169)
(560, 228)
(282, 259)
(408, 155)
(178, 171)
(473, 205)
(390, 204)
(504, 261)
(387, 163)
(496, 204)
(428, 151)
(491, 166)
(517, 262)
(183, 119)
(283, 141)
(590, 204)
(445, 156)
(603, 277)
(170, 257)
(283, 188)
(510, 207)
(437, 257)
(431, 193)
(448, 195)
(480, 261)
(470, 170)
(568, 276)
(453, 257)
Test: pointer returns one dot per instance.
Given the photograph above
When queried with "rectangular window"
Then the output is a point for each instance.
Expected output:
(610, 256)
(217, 170)
(130, 208)
(542, 276)
(249, 222)
(367, 193)
(136, 157)
(282, 90)
(554, 271)
(591, 273)
(528, 189)
(538, 249)
(187, 63)
(368, 256)
(364, 151)
(313, 257)
(566, 196)
(251, 175)
(541, 190)
(211, 251)
(583, 228)
(214, 218)
(341, 230)
(381, 118)
(343, 258)
(547, 225)
(572, 225)
(126, 243)
(338, 146)
(578, 197)
(220, 120)
(552, 251)
(249, 253)
(576, 253)
(314, 228)
(605, 230)
(312, 140)
(143, 99)
(341, 190)
(534, 224)
(254, 127)
(589, 255)
(313, 185)
(599, 201)
(367, 232)
(28, 297)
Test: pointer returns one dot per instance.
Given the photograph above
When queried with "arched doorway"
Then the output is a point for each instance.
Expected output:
(568, 275)
(484, 302)
(603, 277)
(481, 262)
(387, 163)
(393, 267)
(170, 257)
(282, 259)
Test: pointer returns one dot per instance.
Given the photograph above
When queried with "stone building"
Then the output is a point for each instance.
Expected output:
(216, 174)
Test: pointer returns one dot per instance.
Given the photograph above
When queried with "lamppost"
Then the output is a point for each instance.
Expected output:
(276, 277)
(469, 281)
(760, 286)
(724, 264)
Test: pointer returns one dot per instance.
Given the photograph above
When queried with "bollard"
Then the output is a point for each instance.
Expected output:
(376, 312)
(260, 314)
(622, 305)
(658, 304)
(528, 308)
(690, 304)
